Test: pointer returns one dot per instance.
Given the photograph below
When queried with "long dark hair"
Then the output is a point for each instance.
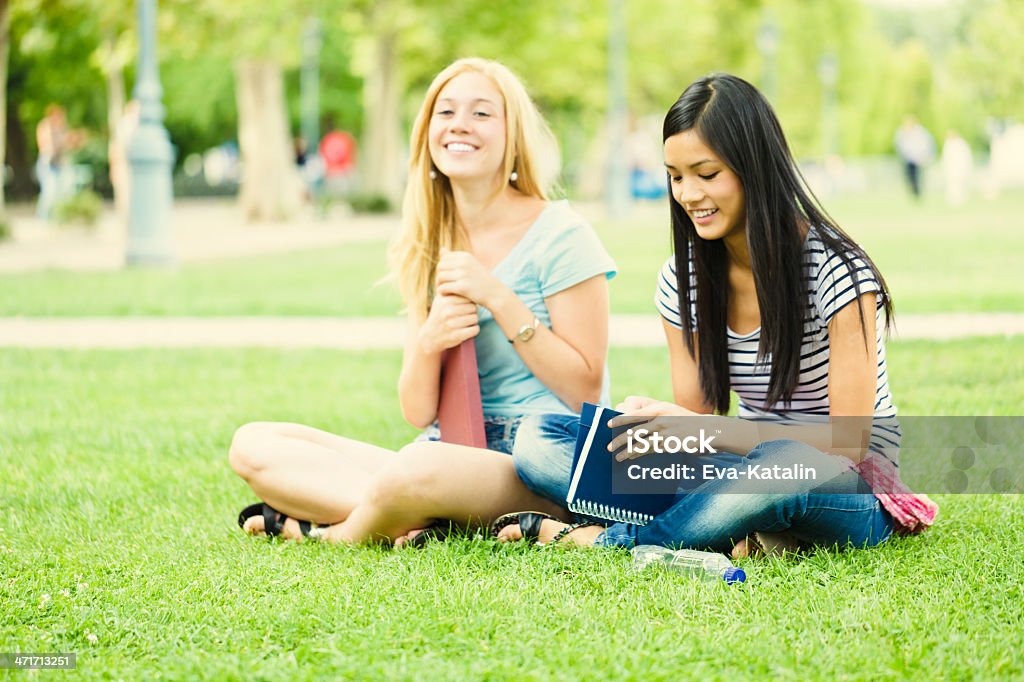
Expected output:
(735, 120)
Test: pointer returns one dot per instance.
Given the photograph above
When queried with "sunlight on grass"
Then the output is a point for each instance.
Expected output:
(118, 541)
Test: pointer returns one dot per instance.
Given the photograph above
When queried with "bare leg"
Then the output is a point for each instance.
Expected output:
(304, 472)
(438, 481)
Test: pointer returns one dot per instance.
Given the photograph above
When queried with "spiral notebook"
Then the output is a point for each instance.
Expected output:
(590, 487)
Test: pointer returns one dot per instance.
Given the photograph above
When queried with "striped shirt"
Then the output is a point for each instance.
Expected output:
(830, 287)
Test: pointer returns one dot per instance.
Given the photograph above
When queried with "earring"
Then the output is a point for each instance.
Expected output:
(433, 174)
(513, 177)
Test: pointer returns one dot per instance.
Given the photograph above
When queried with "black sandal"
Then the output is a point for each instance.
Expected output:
(529, 523)
(273, 521)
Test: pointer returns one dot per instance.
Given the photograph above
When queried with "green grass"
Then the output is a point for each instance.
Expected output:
(936, 259)
(116, 501)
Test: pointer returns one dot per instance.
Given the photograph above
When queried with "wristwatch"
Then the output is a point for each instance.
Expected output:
(526, 332)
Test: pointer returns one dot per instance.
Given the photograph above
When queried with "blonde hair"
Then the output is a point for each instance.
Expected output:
(428, 210)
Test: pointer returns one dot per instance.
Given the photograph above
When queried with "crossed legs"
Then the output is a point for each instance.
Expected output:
(370, 493)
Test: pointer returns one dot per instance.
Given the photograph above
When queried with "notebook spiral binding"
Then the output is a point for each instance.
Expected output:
(606, 511)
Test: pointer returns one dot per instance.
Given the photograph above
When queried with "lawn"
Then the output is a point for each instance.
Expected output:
(117, 541)
(936, 259)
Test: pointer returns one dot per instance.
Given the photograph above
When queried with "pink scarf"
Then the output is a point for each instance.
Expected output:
(912, 512)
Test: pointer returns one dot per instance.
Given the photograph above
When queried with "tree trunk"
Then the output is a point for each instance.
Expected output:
(271, 185)
(5, 39)
(116, 147)
(383, 173)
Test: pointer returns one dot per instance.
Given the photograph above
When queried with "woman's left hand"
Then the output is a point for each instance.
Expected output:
(459, 272)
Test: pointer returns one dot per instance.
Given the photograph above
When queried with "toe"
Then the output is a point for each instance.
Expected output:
(510, 533)
(741, 549)
(254, 526)
(408, 537)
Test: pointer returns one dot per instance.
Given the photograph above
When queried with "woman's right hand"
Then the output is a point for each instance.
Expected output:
(452, 320)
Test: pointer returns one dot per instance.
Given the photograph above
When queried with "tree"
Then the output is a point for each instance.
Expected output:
(50, 60)
(5, 32)
(257, 40)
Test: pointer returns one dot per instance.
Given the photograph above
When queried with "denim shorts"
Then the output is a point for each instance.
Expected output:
(499, 430)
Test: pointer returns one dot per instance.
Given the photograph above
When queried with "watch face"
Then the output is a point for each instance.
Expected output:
(527, 334)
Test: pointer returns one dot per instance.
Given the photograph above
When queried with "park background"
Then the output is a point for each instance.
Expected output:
(117, 506)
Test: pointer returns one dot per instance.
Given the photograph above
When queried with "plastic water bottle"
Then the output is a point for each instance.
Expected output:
(709, 566)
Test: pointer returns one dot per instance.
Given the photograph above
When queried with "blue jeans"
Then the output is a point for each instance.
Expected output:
(499, 430)
(839, 511)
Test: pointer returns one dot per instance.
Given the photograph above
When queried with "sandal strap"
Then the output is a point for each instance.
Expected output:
(570, 528)
(529, 524)
(273, 521)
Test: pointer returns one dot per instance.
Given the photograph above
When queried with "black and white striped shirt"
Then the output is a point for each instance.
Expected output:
(830, 287)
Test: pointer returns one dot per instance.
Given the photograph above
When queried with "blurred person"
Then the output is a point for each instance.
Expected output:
(483, 254)
(766, 296)
(916, 149)
(54, 141)
(957, 167)
(646, 170)
(300, 148)
(337, 161)
(117, 154)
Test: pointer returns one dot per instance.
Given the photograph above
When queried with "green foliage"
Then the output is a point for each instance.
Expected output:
(52, 43)
(83, 207)
(370, 203)
(5, 228)
(990, 57)
(952, 64)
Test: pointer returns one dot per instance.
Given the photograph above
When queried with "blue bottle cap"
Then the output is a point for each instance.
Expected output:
(734, 575)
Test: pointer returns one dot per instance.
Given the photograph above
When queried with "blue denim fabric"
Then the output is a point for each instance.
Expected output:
(499, 430)
(838, 511)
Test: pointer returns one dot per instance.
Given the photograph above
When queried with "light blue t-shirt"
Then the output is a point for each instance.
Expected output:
(558, 251)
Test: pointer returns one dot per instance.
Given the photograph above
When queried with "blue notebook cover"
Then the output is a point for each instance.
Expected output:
(593, 466)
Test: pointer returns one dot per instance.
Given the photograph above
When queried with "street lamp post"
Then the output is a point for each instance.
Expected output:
(151, 158)
(617, 189)
(309, 85)
(768, 46)
(309, 106)
(828, 74)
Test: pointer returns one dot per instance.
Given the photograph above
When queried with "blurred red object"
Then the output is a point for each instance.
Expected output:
(338, 150)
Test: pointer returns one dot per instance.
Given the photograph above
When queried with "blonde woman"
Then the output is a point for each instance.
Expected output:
(483, 254)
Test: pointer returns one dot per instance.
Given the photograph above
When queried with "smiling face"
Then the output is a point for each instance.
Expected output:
(707, 189)
(467, 129)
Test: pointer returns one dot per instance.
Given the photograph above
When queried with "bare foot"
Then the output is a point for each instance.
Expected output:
(402, 539)
(741, 550)
(583, 536)
(255, 526)
(291, 531)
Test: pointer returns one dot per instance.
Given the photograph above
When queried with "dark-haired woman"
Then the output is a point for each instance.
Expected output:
(767, 297)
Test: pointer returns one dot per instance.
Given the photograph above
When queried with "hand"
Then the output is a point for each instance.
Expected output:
(460, 273)
(452, 320)
(656, 416)
(634, 402)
